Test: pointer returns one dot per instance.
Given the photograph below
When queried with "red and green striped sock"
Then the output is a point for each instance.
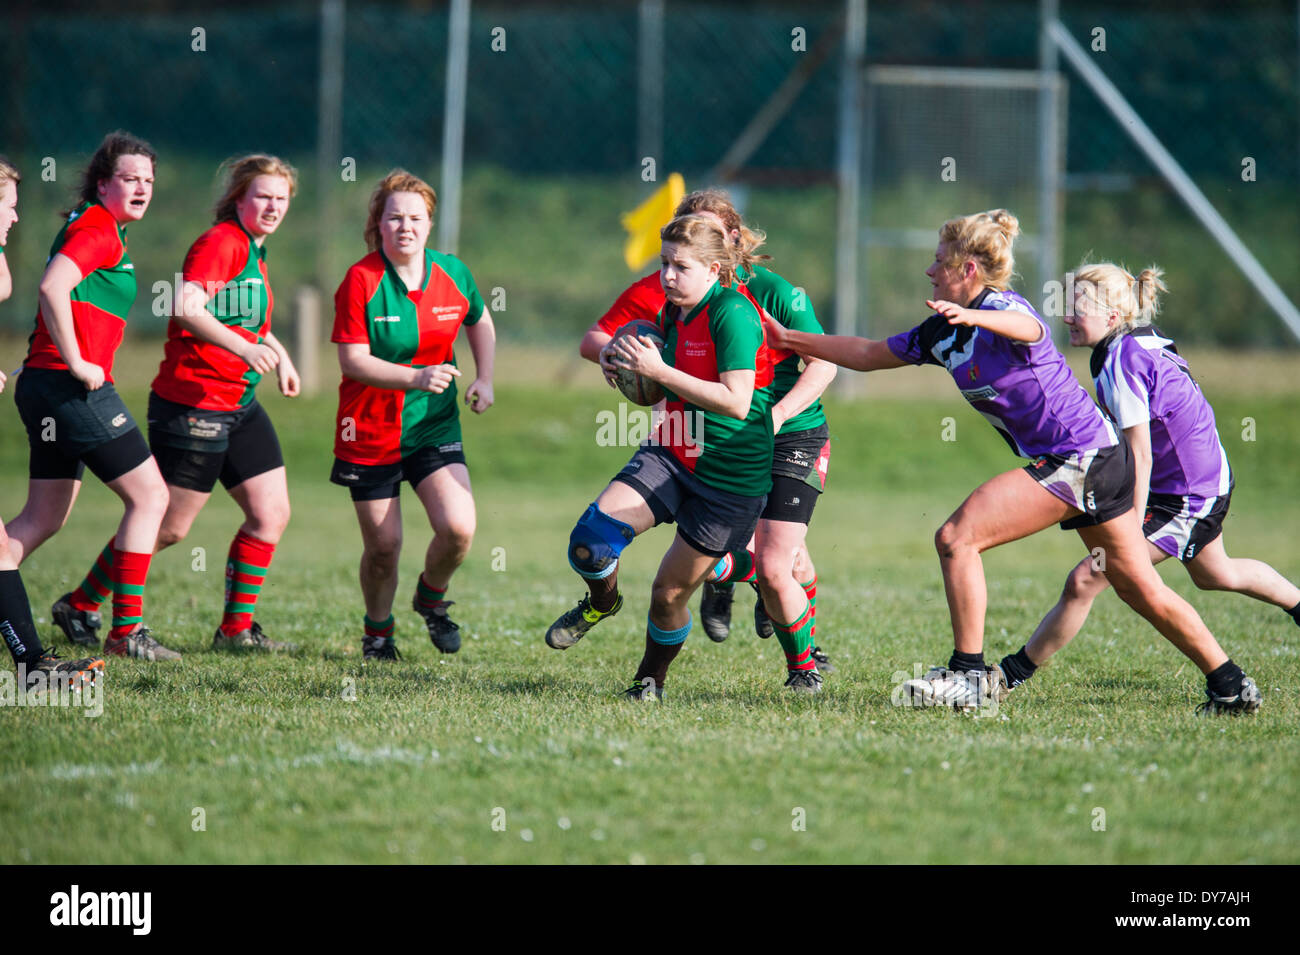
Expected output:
(98, 584)
(796, 641)
(246, 567)
(426, 596)
(130, 571)
(735, 567)
(810, 589)
(383, 628)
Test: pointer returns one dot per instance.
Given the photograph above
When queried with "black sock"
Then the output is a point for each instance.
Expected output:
(1018, 667)
(1295, 614)
(16, 619)
(655, 662)
(965, 662)
(604, 592)
(1225, 681)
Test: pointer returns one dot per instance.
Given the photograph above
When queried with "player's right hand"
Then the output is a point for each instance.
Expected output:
(774, 332)
(3, 380)
(89, 374)
(435, 378)
(261, 358)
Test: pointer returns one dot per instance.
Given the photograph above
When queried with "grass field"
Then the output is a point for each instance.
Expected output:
(314, 759)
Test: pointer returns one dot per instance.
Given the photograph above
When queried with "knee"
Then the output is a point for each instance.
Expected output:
(1211, 579)
(950, 538)
(151, 496)
(803, 565)
(169, 535)
(40, 525)
(772, 576)
(664, 595)
(381, 555)
(596, 542)
(1084, 582)
(268, 521)
(458, 534)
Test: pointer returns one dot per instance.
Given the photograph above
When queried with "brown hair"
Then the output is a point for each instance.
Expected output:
(719, 204)
(707, 241)
(102, 165)
(1135, 300)
(986, 238)
(399, 180)
(9, 172)
(239, 174)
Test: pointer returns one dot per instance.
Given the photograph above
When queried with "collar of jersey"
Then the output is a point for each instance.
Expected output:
(401, 282)
(258, 250)
(713, 290)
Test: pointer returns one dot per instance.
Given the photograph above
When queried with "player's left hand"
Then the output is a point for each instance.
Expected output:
(290, 382)
(955, 314)
(639, 354)
(479, 395)
(778, 418)
(3, 379)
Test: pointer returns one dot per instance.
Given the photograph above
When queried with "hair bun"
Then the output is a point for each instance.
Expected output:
(1005, 221)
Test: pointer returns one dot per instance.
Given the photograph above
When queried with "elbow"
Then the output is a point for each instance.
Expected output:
(735, 409)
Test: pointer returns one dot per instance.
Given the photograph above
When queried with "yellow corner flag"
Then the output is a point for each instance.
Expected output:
(644, 222)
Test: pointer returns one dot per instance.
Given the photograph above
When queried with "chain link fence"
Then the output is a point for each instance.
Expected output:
(553, 148)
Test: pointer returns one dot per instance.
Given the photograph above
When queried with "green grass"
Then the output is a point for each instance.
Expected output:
(287, 769)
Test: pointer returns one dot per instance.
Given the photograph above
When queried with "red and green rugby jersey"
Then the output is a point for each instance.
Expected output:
(231, 267)
(770, 293)
(789, 306)
(100, 301)
(414, 328)
(643, 299)
(722, 333)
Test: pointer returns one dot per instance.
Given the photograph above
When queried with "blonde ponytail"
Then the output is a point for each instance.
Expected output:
(1135, 301)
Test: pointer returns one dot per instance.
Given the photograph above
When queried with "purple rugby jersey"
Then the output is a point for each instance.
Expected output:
(1140, 377)
(1027, 392)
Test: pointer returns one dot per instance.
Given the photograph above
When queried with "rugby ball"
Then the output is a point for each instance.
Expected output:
(637, 388)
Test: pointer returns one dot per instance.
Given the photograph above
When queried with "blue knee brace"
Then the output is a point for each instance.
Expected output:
(596, 542)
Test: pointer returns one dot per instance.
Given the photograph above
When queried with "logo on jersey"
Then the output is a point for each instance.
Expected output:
(987, 393)
(119, 421)
(445, 313)
(974, 371)
(696, 349)
(388, 318)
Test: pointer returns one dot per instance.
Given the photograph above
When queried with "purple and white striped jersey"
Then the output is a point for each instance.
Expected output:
(1027, 392)
(1141, 377)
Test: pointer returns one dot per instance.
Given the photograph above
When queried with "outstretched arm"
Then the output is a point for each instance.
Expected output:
(847, 351)
(1007, 322)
